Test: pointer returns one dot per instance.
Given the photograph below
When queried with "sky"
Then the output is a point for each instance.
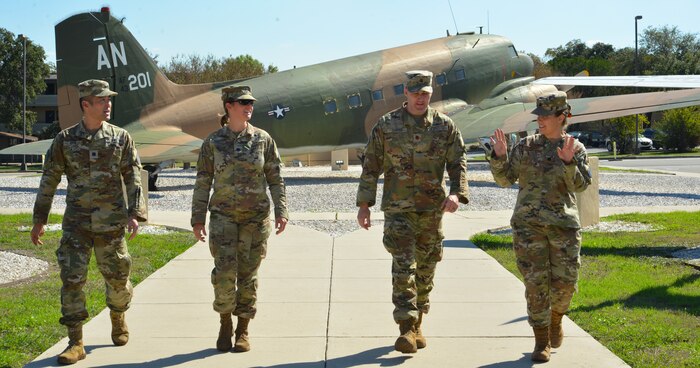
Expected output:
(288, 33)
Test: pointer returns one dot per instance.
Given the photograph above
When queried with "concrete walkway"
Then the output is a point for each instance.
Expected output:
(326, 302)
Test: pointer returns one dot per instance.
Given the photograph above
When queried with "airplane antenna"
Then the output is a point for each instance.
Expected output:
(453, 65)
(453, 16)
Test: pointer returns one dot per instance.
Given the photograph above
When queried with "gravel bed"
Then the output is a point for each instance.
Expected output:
(16, 267)
(601, 227)
(319, 189)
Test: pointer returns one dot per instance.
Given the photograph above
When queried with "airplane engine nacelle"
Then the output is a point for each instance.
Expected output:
(519, 90)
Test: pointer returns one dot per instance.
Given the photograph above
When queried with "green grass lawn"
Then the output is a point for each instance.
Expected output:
(648, 154)
(15, 168)
(30, 309)
(633, 297)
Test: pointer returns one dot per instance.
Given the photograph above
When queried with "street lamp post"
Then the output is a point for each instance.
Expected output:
(24, 99)
(636, 72)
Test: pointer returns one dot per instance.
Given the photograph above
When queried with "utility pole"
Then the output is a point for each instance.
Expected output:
(24, 99)
(636, 72)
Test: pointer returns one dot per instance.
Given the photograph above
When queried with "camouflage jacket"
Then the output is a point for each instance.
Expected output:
(546, 185)
(413, 158)
(241, 166)
(94, 166)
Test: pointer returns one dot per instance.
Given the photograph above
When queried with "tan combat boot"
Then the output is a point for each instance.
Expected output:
(120, 332)
(556, 333)
(406, 343)
(223, 343)
(242, 343)
(542, 347)
(421, 342)
(75, 350)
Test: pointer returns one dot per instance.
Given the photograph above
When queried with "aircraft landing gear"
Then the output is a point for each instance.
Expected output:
(152, 177)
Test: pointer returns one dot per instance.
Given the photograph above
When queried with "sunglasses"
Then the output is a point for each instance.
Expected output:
(245, 102)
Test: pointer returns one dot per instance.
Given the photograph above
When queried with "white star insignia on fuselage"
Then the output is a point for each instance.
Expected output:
(279, 111)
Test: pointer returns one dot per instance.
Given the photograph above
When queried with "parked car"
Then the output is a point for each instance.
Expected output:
(644, 143)
(654, 135)
(576, 135)
(593, 139)
(649, 133)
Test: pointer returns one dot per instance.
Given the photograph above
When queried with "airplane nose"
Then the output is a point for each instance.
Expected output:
(524, 66)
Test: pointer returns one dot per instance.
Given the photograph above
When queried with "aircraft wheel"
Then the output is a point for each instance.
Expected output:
(151, 178)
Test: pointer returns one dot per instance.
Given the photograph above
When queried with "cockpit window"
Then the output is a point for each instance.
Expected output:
(512, 52)
(398, 89)
(459, 74)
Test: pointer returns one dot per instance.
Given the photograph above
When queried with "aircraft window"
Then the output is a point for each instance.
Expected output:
(459, 74)
(330, 106)
(441, 79)
(398, 89)
(377, 95)
(354, 101)
(512, 52)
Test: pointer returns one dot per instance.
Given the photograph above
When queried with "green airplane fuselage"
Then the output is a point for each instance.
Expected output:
(317, 108)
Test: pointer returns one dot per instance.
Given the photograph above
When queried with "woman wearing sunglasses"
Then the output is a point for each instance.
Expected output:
(240, 161)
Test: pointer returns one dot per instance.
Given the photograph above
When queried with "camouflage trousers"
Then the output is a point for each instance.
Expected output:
(548, 257)
(113, 261)
(238, 249)
(414, 240)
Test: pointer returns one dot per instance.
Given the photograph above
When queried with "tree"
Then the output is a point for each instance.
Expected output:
(541, 69)
(196, 69)
(680, 129)
(576, 56)
(50, 132)
(623, 129)
(669, 51)
(11, 72)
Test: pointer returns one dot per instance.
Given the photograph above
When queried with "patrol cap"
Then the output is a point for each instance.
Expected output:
(419, 80)
(95, 87)
(233, 93)
(551, 104)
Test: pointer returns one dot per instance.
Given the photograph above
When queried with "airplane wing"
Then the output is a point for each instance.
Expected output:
(152, 146)
(475, 122)
(155, 146)
(650, 81)
(32, 148)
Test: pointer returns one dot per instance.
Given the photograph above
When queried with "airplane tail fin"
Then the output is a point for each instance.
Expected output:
(96, 45)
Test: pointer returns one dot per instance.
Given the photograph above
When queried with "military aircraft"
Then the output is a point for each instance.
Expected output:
(481, 81)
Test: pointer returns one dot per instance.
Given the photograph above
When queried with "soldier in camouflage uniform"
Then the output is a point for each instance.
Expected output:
(550, 167)
(95, 156)
(241, 161)
(412, 146)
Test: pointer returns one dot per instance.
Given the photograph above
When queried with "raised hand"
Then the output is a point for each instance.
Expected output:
(499, 143)
(566, 154)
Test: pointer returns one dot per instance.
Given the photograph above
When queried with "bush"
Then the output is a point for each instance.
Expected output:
(622, 131)
(680, 129)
